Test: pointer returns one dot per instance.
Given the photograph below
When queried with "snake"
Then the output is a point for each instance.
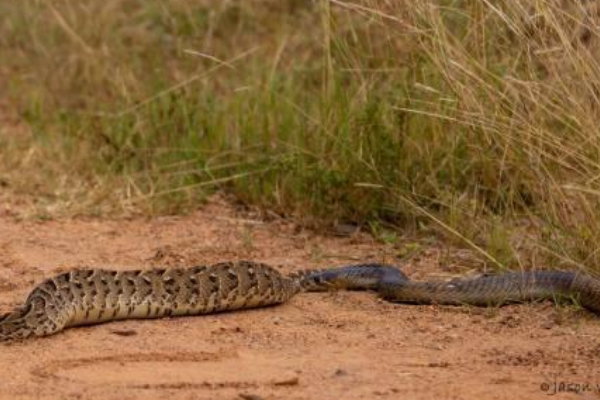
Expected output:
(93, 296)
(485, 290)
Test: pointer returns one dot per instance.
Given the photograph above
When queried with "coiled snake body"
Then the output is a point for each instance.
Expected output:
(93, 296)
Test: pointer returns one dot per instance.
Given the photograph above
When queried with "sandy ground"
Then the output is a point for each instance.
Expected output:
(318, 346)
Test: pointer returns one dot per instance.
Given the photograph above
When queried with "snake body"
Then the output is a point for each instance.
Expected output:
(83, 297)
(91, 296)
(487, 290)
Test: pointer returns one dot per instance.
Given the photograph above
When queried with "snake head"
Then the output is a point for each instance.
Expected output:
(359, 277)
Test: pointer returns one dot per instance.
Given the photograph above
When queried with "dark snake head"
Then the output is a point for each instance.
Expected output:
(359, 277)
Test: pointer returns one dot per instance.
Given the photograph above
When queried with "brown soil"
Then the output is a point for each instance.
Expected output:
(318, 346)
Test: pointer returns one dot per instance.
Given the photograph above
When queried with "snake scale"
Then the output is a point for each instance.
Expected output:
(91, 296)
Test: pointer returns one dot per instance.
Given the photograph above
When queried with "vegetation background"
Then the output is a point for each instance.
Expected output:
(472, 121)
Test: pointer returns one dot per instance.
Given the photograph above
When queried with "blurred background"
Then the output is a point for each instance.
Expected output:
(472, 122)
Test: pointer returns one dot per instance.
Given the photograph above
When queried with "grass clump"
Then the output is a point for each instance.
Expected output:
(472, 118)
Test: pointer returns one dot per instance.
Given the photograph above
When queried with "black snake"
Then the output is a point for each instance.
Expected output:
(487, 290)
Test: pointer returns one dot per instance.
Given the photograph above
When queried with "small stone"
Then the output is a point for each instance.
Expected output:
(442, 364)
(345, 229)
(290, 381)
(548, 325)
(340, 372)
(250, 396)
(124, 333)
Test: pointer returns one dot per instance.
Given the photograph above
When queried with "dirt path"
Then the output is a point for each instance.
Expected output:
(319, 346)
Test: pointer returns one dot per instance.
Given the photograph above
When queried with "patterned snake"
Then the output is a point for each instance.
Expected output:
(84, 297)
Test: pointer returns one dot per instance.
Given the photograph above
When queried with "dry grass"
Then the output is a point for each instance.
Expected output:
(475, 119)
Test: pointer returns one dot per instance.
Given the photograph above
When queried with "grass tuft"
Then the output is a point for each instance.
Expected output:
(475, 119)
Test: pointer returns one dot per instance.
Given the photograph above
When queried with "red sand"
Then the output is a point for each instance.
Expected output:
(318, 346)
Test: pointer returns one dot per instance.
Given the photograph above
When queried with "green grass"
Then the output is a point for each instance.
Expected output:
(476, 122)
